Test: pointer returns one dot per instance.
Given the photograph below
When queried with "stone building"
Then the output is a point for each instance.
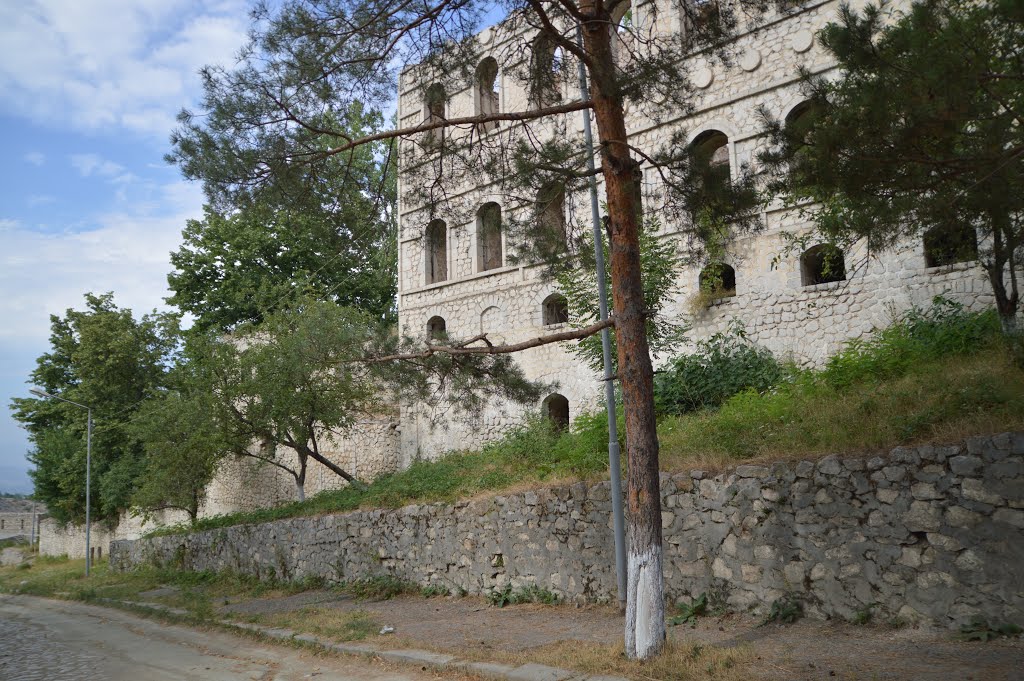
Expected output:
(458, 274)
(19, 518)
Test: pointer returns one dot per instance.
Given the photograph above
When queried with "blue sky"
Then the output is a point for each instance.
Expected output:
(87, 203)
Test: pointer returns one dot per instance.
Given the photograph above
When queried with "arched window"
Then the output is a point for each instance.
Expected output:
(551, 213)
(799, 122)
(701, 14)
(555, 408)
(801, 117)
(950, 244)
(711, 147)
(555, 309)
(437, 252)
(436, 329)
(822, 264)
(487, 100)
(545, 69)
(623, 18)
(434, 111)
(718, 280)
(489, 253)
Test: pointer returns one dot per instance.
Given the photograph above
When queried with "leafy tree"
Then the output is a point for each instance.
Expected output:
(329, 233)
(104, 358)
(660, 261)
(273, 119)
(281, 389)
(920, 134)
(182, 448)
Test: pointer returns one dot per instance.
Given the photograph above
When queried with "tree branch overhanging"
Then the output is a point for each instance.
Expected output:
(490, 349)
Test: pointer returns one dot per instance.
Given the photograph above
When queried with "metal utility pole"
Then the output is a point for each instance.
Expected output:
(88, 468)
(614, 454)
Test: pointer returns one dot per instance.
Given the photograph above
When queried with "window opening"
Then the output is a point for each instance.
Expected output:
(437, 252)
(822, 264)
(555, 309)
(489, 237)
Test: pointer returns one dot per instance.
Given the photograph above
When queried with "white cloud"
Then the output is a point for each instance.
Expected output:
(112, 64)
(88, 165)
(123, 251)
(36, 158)
(40, 200)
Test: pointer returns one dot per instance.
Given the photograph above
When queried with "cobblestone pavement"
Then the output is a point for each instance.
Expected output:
(44, 640)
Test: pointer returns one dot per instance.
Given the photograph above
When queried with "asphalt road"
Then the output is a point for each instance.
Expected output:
(45, 640)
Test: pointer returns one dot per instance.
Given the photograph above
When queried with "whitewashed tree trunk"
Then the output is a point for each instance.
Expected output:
(645, 605)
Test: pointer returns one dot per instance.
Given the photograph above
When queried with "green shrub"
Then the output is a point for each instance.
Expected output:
(526, 594)
(722, 366)
(920, 334)
(785, 610)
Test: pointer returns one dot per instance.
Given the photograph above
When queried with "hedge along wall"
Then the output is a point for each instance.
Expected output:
(932, 533)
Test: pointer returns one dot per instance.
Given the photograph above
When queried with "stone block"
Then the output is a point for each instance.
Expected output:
(965, 465)
(417, 657)
(975, 490)
(958, 516)
(539, 672)
(830, 466)
(748, 471)
(1009, 516)
(923, 516)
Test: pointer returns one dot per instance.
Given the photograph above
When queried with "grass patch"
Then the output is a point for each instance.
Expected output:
(379, 588)
(326, 622)
(197, 592)
(936, 375)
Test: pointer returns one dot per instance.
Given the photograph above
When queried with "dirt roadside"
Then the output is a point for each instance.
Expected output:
(806, 649)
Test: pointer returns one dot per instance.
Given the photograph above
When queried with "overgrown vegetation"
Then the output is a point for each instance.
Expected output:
(785, 610)
(689, 612)
(525, 594)
(722, 366)
(979, 629)
(897, 387)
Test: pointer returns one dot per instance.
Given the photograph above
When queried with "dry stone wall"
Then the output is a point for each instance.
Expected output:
(932, 533)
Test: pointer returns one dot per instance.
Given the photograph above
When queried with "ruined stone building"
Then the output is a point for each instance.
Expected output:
(461, 277)
(458, 274)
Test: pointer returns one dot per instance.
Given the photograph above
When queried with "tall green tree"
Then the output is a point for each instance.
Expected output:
(274, 117)
(102, 357)
(181, 448)
(921, 133)
(327, 232)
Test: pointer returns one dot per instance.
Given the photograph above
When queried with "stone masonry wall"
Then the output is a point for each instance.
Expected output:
(807, 323)
(931, 533)
(69, 540)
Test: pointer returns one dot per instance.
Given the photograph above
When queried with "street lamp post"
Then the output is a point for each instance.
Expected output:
(88, 466)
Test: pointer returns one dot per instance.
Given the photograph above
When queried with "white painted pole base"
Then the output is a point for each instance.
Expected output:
(645, 605)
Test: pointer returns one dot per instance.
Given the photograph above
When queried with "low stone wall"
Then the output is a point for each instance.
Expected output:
(928, 533)
(68, 540)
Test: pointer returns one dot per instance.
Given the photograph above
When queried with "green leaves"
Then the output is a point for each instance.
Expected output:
(920, 132)
(104, 358)
(722, 366)
(327, 232)
(659, 263)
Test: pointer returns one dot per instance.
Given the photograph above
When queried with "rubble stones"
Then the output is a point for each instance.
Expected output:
(936, 537)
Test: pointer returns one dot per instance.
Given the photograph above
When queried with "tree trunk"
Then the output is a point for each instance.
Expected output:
(645, 604)
(300, 477)
(1003, 258)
